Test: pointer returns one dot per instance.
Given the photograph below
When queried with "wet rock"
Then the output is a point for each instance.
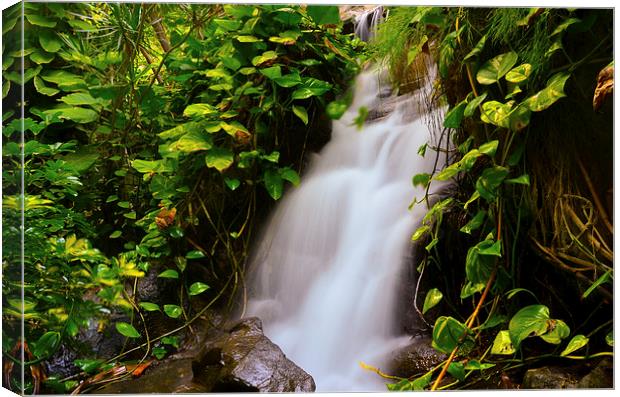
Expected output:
(416, 358)
(175, 376)
(237, 358)
(549, 378)
(601, 377)
(251, 362)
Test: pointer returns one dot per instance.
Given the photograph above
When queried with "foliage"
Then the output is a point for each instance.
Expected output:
(499, 70)
(150, 132)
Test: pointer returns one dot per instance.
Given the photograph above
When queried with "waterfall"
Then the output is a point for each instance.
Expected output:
(326, 270)
(366, 23)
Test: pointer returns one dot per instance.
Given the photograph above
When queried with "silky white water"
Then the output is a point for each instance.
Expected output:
(324, 276)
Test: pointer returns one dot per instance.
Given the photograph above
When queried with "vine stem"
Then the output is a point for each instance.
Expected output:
(474, 315)
(467, 325)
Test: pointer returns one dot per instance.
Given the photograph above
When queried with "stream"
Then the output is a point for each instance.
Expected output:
(328, 264)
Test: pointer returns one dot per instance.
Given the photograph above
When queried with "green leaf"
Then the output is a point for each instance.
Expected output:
(198, 288)
(457, 370)
(130, 215)
(159, 352)
(173, 311)
(475, 196)
(171, 341)
(575, 344)
(63, 78)
(273, 183)
(40, 57)
(336, 109)
(474, 223)
(496, 113)
(170, 273)
(49, 41)
(272, 72)
(149, 307)
(519, 74)
(227, 24)
(40, 20)
(455, 116)
(558, 330)
(529, 321)
(447, 333)
(264, 58)
(421, 179)
(289, 174)
(232, 183)
(473, 105)
(479, 262)
(522, 180)
(301, 113)
(42, 88)
(433, 297)
(247, 39)
(490, 180)
(604, 278)
(193, 141)
(609, 339)
(519, 117)
(46, 345)
(565, 25)
(195, 254)
(515, 291)
(324, 15)
(548, 95)
(6, 87)
(502, 344)
(90, 366)
(494, 69)
(288, 80)
(219, 158)
(127, 330)
(76, 114)
(199, 109)
(152, 166)
(421, 231)
(79, 98)
(234, 127)
(489, 148)
(475, 365)
(477, 49)
(311, 87)
(116, 234)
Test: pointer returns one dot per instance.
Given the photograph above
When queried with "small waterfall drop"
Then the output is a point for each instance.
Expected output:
(325, 274)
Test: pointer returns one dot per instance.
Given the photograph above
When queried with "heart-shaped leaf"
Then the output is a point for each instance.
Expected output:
(575, 344)
(529, 321)
(173, 311)
(198, 288)
(127, 330)
(519, 74)
(494, 69)
(433, 297)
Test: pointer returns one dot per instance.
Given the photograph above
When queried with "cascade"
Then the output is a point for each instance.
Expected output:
(327, 267)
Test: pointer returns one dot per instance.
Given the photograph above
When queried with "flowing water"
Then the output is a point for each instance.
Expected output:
(326, 271)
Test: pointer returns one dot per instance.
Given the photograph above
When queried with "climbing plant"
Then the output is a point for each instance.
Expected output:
(503, 73)
(150, 134)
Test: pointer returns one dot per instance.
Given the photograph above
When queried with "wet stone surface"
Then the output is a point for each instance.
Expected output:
(234, 358)
(416, 358)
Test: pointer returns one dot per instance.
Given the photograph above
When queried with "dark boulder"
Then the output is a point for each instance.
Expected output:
(251, 362)
(549, 378)
(418, 357)
(237, 358)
